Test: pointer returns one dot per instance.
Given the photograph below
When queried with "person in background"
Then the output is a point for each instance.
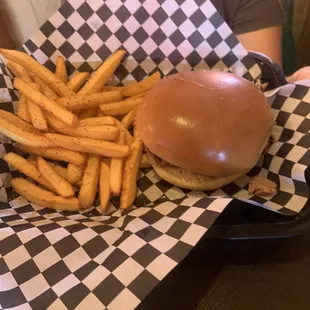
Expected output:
(258, 25)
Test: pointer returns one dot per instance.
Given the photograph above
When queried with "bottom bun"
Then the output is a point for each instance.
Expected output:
(186, 179)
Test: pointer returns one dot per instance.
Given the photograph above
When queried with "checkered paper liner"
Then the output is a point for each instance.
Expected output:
(74, 260)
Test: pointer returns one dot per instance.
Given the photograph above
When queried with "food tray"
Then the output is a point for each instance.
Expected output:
(241, 220)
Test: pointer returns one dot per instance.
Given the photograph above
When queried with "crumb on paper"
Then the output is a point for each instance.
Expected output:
(261, 186)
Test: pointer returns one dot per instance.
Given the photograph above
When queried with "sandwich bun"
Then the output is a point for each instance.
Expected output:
(205, 124)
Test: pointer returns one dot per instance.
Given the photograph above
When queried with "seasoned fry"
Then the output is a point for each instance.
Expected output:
(145, 163)
(97, 121)
(62, 187)
(90, 180)
(98, 113)
(128, 136)
(45, 103)
(23, 137)
(77, 81)
(103, 73)
(19, 71)
(86, 125)
(120, 107)
(37, 117)
(27, 169)
(131, 168)
(142, 86)
(10, 117)
(56, 153)
(32, 159)
(104, 188)
(75, 173)
(61, 70)
(135, 130)
(22, 109)
(46, 90)
(137, 88)
(87, 113)
(62, 171)
(33, 66)
(66, 204)
(116, 173)
(78, 102)
(43, 197)
(107, 133)
(128, 118)
(36, 113)
(92, 146)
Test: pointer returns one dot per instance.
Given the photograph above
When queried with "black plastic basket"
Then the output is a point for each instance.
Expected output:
(241, 220)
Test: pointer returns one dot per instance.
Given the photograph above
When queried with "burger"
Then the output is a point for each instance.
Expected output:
(204, 129)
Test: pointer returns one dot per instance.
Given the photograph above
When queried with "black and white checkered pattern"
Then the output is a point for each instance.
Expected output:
(168, 36)
(78, 260)
(66, 260)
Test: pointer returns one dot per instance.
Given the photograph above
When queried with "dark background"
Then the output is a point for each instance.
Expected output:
(239, 275)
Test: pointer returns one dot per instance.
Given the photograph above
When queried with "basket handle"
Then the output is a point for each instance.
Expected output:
(271, 71)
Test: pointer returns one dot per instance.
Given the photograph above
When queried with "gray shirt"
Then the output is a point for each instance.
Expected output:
(249, 15)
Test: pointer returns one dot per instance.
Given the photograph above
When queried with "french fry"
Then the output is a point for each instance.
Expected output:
(27, 169)
(56, 153)
(61, 70)
(75, 173)
(131, 168)
(10, 117)
(137, 88)
(111, 87)
(103, 73)
(120, 107)
(90, 180)
(97, 121)
(33, 66)
(77, 81)
(142, 86)
(45, 103)
(79, 102)
(107, 133)
(145, 163)
(62, 171)
(120, 88)
(19, 71)
(36, 113)
(128, 118)
(128, 136)
(92, 146)
(62, 186)
(32, 159)
(23, 137)
(98, 113)
(104, 188)
(135, 130)
(88, 113)
(43, 197)
(66, 204)
(22, 109)
(46, 90)
(116, 172)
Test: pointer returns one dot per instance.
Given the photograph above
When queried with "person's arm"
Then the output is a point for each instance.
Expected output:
(267, 41)
(258, 26)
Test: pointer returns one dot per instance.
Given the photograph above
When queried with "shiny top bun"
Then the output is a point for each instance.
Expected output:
(209, 122)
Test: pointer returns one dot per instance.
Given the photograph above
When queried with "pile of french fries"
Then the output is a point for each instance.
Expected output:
(81, 122)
